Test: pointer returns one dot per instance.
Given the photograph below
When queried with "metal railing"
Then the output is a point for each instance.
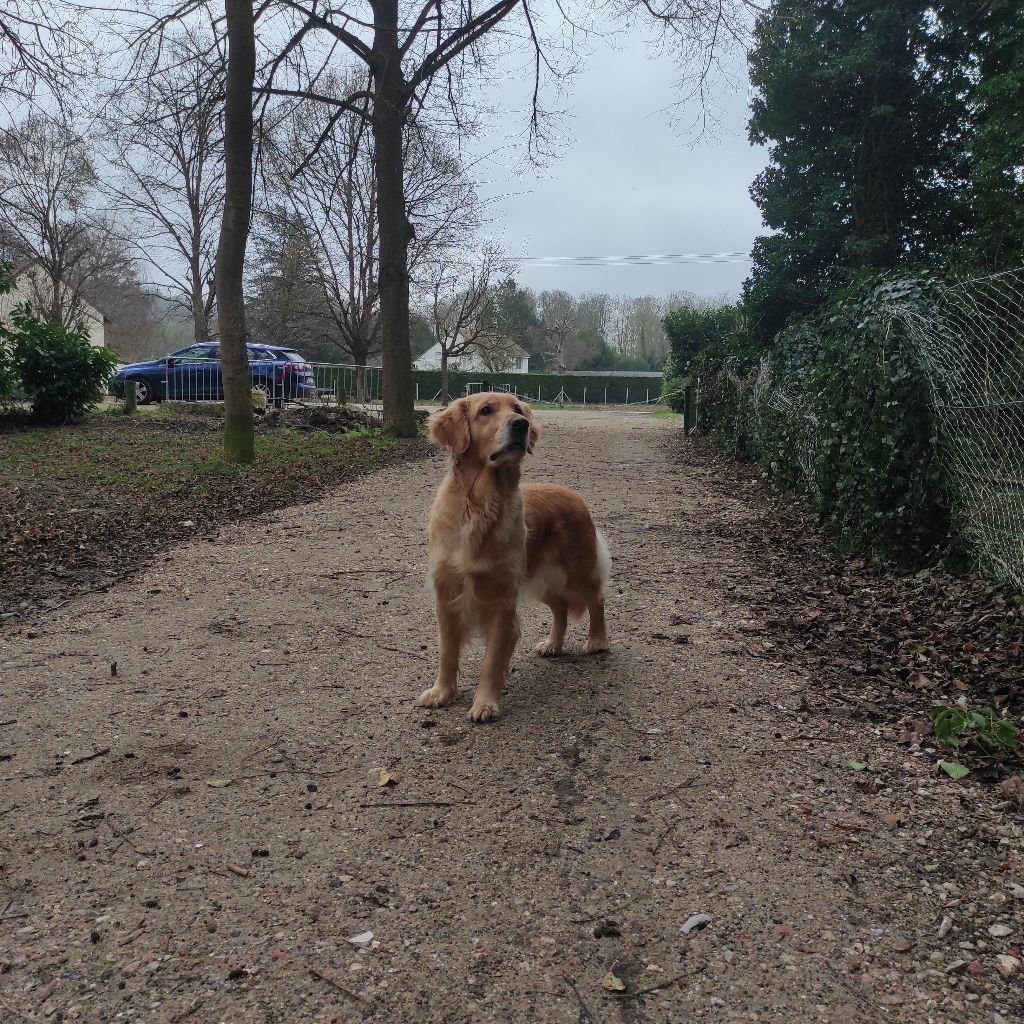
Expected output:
(298, 383)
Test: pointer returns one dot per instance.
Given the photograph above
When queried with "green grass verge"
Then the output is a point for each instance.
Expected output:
(83, 501)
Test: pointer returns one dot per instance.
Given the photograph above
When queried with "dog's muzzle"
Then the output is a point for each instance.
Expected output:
(517, 433)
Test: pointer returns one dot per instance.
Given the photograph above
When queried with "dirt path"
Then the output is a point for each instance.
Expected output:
(512, 867)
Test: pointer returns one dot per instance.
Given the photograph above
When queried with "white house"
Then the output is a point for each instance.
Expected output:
(32, 285)
(509, 358)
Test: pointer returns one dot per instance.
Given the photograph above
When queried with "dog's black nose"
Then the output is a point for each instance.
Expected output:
(520, 424)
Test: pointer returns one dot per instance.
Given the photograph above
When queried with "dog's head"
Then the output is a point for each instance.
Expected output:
(490, 429)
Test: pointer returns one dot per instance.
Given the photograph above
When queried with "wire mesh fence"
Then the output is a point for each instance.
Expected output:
(971, 343)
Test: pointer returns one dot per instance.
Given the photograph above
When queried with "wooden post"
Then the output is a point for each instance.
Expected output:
(129, 398)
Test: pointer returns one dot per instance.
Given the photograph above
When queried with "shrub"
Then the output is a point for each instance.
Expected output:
(692, 329)
(8, 375)
(62, 374)
(840, 410)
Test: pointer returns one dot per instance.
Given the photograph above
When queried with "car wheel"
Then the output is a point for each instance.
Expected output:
(143, 390)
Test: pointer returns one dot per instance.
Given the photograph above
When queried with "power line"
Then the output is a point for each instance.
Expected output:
(667, 259)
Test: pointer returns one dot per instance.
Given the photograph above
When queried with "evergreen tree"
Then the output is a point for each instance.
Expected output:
(866, 159)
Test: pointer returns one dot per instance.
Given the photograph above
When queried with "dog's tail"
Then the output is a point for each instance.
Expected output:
(604, 559)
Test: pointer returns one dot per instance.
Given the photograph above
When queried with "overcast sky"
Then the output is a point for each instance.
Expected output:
(629, 181)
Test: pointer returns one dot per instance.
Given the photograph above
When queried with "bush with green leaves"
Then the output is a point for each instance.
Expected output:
(62, 374)
(840, 411)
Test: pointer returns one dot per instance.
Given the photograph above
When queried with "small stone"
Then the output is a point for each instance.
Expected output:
(1000, 931)
(946, 927)
(695, 922)
(1007, 965)
(903, 945)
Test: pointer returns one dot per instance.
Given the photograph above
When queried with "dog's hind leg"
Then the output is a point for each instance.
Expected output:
(451, 633)
(501, 631)
(556, 637)
(597, 637)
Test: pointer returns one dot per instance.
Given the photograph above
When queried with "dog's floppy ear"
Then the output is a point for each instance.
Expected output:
(451, 427)
(534, 437)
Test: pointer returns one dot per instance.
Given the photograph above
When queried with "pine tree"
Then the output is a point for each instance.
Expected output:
(864, 135)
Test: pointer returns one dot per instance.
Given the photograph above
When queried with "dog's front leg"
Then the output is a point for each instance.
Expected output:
(501, 632)
(451, 634)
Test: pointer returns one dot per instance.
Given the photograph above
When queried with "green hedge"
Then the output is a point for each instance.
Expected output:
(840, 411)
(545, 386)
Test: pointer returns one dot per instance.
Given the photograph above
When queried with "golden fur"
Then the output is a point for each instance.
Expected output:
(492, 540)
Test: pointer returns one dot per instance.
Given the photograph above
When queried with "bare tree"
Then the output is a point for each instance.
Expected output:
(558, 317)
(462, 310)
(40, 47)
(638, 331)
(421, 58)
(335, 194)
(239, 442)
(168, 135)
(48, 215)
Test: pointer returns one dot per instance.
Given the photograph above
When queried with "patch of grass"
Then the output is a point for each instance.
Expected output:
(667, 414)
(82, 501)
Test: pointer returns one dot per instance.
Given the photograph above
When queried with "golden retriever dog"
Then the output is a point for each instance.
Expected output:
(493, 541)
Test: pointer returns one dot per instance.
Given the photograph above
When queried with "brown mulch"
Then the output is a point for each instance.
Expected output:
(888, 646)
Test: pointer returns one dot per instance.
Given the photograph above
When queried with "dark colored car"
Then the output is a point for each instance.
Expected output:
(193, 374)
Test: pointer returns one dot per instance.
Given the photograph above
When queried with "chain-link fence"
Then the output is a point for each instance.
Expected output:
(971, 343)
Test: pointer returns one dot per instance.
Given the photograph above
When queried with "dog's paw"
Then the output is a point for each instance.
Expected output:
(484, 711)
(435, 697)
(596, 646)
(547, 649)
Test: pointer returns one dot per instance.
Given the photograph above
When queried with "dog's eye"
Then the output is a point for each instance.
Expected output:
(486, 411)
(518, 409)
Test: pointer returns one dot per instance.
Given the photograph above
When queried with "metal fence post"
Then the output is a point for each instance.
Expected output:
(627, 394)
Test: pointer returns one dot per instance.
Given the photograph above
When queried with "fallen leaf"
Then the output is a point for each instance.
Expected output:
(857, 766)
(613, 983)
(954, 770)
(389, 778)
(219, 783)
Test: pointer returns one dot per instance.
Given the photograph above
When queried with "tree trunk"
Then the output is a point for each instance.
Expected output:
(200, 328)
(234, 231)
(445, 396)
(392, 224)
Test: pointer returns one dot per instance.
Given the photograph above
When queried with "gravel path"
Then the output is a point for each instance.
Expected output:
(200, 835)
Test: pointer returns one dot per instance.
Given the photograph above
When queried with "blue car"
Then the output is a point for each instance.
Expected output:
(193, 374)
